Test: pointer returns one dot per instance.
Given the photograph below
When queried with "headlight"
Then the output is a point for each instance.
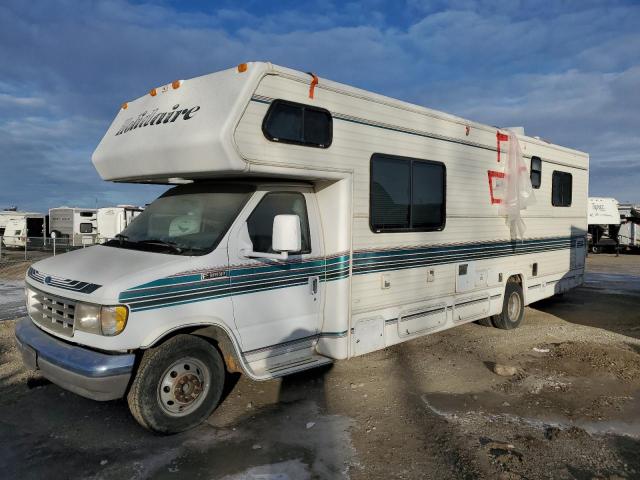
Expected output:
(87, 318)
(107, 321)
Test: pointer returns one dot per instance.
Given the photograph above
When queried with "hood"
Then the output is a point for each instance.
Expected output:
(103, 270)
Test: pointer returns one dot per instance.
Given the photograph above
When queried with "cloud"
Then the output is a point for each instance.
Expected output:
(13, 101)
(568, 72)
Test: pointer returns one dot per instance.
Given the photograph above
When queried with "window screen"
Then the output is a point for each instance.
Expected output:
(561, 189)
(406, 194)
(260, 222)
(536, 172)
(290, 122)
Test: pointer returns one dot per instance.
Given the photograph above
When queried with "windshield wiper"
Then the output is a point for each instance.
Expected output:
(162, 243)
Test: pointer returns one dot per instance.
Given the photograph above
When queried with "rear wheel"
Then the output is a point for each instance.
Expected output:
(178, 385)
(512, 308)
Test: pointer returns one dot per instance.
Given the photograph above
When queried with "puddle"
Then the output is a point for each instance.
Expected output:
(11, 300)
(290, 470)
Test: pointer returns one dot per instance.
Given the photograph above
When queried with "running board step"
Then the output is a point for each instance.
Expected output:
(266, 371)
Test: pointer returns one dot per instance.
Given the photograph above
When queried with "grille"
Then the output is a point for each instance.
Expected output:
(54, 313)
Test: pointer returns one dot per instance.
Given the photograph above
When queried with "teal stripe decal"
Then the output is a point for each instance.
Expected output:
(197, 287)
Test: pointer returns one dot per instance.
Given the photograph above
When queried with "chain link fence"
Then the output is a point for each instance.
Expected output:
(17, 249)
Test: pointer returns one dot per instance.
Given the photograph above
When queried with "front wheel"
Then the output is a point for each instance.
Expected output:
(512, 308)
(178, 385)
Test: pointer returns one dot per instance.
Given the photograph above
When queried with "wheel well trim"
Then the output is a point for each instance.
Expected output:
(234, 356)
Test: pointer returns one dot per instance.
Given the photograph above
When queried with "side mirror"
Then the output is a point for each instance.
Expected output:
(287, 236)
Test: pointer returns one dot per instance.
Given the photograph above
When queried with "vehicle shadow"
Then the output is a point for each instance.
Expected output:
(590, 305)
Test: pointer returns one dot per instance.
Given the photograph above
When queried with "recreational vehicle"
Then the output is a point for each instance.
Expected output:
(75, 226)
(310, 222)
(5, 216)
(603, 219)
(629, 234)
(112, 220)
(24, 228)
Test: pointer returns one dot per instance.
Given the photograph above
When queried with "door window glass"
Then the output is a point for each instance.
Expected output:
(260, 223)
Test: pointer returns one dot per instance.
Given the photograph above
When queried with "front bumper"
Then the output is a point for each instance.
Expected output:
(91, 374)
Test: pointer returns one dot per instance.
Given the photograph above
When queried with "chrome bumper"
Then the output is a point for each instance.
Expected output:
(94, 375)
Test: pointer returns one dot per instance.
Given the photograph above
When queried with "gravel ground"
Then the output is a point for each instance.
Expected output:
(566, 406)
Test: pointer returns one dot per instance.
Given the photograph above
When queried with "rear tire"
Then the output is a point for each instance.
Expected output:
(512, 308)
(178, 385)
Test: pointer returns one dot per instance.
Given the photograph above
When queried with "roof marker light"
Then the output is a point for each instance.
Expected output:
(176, 84)
(242, 67)
(153, 92)
(125, 105)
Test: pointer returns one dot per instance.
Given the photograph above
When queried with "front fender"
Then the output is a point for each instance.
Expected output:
(216, 330)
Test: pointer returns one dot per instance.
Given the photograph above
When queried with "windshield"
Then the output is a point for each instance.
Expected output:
(186, 220)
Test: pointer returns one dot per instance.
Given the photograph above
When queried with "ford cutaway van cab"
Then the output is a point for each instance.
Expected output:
(304, 221)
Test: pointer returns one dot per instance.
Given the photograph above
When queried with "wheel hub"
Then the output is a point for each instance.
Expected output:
(187, 388)
(513, 307)
(183, 387)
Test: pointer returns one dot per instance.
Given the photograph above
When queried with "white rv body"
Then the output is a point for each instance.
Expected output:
(629, 233)
(603, 211)
(357, 287)
(5, 216)
(112, 220)
(77, 226)
(23, 228)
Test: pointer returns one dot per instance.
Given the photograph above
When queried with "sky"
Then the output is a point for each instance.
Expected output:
(567, 71)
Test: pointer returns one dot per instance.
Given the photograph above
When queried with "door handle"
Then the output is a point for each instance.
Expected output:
(313, 284)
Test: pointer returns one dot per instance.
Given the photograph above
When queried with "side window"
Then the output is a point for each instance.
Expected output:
(406, 194)
(536, 172)
(260, 221)
(561, 189)
(86, 228)
(300, 124)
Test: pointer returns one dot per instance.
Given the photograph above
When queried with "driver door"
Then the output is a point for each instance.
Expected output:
(277, 302)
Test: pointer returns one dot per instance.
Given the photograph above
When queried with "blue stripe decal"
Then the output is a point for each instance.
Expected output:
(197, 287)
(63, 283)
(400, 259)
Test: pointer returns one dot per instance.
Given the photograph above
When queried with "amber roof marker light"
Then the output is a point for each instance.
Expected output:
(124, 106)
(242, 67)
(176, 84)
(153, 92)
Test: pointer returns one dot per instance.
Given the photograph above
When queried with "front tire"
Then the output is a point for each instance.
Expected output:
(178, 385)
(512, 308)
